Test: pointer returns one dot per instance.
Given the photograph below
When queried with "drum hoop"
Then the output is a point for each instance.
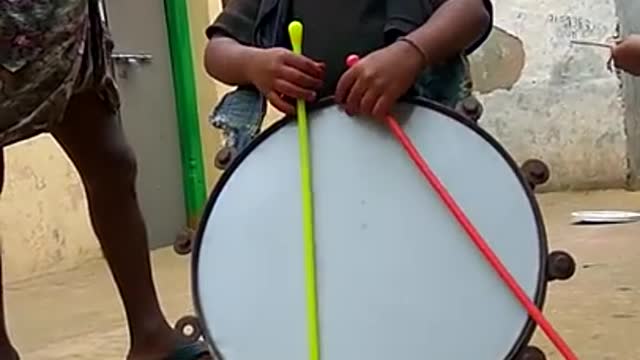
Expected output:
(541, 289)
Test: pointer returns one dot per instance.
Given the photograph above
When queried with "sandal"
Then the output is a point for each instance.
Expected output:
(193, 351)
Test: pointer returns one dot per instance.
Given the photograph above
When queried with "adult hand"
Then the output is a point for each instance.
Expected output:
(626, 54)
(282, 75)
(373, 85)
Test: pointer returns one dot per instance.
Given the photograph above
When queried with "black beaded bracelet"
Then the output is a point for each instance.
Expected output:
(425, 58)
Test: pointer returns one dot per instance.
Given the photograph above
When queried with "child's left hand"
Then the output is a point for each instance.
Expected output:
(373, 85)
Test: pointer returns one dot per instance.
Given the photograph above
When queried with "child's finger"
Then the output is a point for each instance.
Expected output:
(614, 39)
(281, 104)
(299, 78)
(354, 98)
(383, 106)
(344, 85)
(293, 91)
(368, 101)
(305, 65)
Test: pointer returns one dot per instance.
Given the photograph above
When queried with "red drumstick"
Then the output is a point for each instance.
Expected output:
(474, 235)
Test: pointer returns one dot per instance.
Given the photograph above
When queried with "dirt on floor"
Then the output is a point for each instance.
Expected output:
(77, 315)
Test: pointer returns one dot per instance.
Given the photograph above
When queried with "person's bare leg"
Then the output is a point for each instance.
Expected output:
(7, 351)
(93, 138)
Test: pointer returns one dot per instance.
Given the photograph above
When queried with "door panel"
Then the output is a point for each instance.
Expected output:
(148, 113)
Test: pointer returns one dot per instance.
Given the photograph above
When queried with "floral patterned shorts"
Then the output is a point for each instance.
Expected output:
(49, 51)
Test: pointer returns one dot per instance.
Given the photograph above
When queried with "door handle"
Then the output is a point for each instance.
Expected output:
(128, 60)
(132, 59)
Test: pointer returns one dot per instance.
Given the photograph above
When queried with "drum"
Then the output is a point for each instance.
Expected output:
(398, 278)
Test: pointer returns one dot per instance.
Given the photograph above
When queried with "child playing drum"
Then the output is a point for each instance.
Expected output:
(415, 48)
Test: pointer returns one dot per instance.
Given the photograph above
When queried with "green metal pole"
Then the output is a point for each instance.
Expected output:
(184, 83)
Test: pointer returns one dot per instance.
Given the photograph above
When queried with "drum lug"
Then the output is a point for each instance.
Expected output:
(560, 266)
(184, 241)
(471, 108)
(224, 157)
(189, 328)
(536, 172)
(532, 353)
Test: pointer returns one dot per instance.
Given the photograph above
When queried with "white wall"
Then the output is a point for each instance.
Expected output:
(549, 100)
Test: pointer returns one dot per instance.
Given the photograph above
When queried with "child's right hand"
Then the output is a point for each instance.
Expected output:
(281, 75)
(626, 54)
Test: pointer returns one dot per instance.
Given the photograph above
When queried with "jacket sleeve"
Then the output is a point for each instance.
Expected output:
(237, 20)
(485, 34)
(404, 16)
(483, 37)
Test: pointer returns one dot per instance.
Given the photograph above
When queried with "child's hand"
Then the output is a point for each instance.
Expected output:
(626, 54)
(373, 85)
(282, 75)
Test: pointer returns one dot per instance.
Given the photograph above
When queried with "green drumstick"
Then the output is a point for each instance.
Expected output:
(295, 33)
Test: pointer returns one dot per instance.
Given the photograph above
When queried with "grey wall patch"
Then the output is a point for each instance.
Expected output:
(498, 63)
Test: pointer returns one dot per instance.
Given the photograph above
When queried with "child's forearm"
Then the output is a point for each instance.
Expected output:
(454, 26)
(228, 61)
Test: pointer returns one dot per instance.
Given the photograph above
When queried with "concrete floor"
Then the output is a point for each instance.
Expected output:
(76, 314)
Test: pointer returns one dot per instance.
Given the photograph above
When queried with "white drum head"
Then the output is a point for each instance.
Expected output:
(397, 276)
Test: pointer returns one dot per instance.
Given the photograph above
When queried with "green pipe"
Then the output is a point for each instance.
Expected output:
(184, 83)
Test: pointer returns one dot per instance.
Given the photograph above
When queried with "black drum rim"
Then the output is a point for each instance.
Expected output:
(541, 289)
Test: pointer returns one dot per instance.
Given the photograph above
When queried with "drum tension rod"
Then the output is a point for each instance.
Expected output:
(474, 235)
